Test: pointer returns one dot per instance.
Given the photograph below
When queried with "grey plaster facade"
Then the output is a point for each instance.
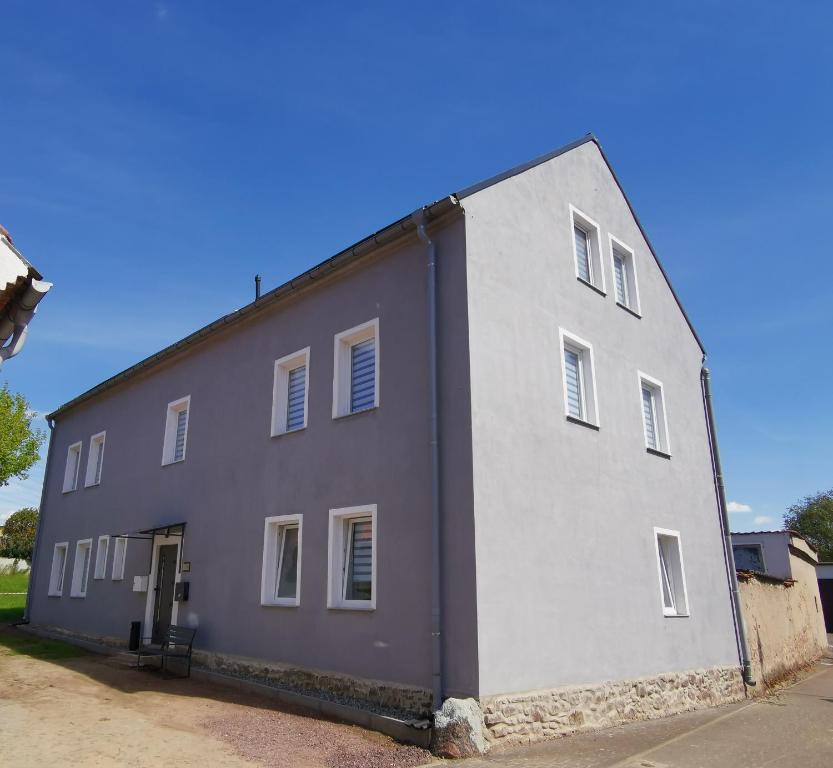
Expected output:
(550, 571)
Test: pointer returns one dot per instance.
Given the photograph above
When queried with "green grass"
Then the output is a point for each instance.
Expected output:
(14, 582)
(11, 606)
(14, 642)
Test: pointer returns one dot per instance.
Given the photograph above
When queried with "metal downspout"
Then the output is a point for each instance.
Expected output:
(727, 536)
(436, 565)
(38, 537)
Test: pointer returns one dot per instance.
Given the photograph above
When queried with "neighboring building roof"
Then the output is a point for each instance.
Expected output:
(347, 256)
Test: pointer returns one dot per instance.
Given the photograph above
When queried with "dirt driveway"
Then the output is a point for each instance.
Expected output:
(61, 706)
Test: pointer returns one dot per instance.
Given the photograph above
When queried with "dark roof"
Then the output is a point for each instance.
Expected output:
(348, 255)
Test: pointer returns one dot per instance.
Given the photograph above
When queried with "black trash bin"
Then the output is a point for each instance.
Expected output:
(135, 635)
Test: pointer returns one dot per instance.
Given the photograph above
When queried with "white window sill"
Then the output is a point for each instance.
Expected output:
(674, 615)
(353, 605)
(173, 461)
(356, 413)
(284, 602)
(289, 431)
(98, 578)
(92, 485)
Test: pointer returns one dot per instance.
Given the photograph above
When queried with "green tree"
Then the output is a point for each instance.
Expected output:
(19, 441)
(812, 517)
(18, 539)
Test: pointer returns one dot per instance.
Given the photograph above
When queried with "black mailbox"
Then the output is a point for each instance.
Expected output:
(181, 591)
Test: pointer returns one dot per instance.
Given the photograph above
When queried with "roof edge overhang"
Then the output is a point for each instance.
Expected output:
(339, 261)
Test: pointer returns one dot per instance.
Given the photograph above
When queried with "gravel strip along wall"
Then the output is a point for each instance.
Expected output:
(527, 717)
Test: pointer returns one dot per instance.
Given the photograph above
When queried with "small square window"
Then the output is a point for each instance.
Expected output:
(119, 558)
(59, 564)
(579, 379)
(95, 460)
(654, 420)
(81, 568)
(356, 369)
(587, 250)
(624, 275)
(749, 557)
(176, 430)
(281, 575)
(671, 573)
(72, 467)
(101, 557)
(290, 393)
(352, 558)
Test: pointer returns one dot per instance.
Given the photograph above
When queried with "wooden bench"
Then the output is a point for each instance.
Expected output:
(177, 644)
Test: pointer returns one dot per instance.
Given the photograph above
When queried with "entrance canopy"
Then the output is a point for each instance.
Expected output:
(148, 534)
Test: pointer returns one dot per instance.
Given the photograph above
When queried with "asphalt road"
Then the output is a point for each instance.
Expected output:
(791, 729)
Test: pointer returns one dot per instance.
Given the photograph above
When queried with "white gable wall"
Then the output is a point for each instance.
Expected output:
(567, 577)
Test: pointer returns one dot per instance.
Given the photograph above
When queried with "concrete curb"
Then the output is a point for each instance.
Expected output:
(397, 729)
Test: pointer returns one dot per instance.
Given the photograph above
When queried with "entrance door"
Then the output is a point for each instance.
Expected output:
(164, 589)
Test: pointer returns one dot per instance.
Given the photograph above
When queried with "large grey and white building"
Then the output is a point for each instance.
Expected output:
(553, 536)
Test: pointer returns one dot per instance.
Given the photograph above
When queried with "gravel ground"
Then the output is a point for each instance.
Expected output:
(276, 739)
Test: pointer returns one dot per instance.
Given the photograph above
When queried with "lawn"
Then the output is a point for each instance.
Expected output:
(11, 606)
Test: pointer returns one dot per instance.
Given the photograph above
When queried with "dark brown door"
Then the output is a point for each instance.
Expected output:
(164, 589)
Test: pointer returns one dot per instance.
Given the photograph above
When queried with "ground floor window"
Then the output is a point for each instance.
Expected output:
(281, 576)
(59, 563)
(352, 558)
(671, 573)
(81, 568)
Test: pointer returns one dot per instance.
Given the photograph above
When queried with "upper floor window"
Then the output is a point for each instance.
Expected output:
(176, 430)
(352, 558)
(624, 275)
(95, 459)
(72, 467)
(579, 379)
(290, 393)
(81, 568)
(356, 369)
(654, 421)
(587, 250)
(281, 575)
(671, 573)
(59, 564)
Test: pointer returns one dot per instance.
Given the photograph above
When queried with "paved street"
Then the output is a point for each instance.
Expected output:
(791, 729)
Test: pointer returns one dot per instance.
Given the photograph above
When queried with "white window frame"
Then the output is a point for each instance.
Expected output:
(169, 444)
(660, 414)
(102, 550)
(269, 576)
(119, 543)
(54, 577)
(98, 439)
(79, 589)
(343, 342)
(339, 522)
(597, 272)
(590, 400)
(280, 390)
(631, 282)
(70, 477)
(666, 610)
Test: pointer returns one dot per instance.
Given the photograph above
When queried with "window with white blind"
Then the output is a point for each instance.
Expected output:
(654, 421)
(59, 564)
(356, 369)
(281, 574)
(624, 275)
(81, 568)
(119, 558)
(290, 393)
(587, 250)
(101, 552)
(95, 460)
(72, 467)
(176, 430)
(579, 379)
(352, 558)
(671, 573)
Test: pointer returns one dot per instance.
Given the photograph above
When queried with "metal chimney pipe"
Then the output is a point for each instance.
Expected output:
(257, 287)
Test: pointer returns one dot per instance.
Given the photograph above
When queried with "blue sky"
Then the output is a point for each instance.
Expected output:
(143, 143)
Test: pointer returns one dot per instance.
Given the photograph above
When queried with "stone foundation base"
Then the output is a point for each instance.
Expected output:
(526, 717)
(406, 700)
